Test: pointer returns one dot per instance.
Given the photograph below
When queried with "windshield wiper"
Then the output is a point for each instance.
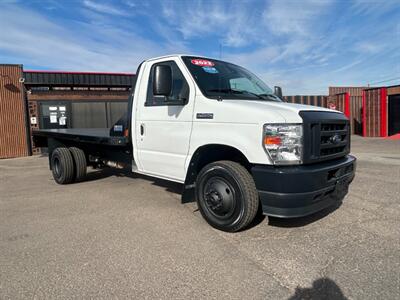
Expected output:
(268, 97)
(225, 91)
(261, 96)
(231, 91)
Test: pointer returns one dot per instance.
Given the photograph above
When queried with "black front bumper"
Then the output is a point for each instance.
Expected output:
(296, 191)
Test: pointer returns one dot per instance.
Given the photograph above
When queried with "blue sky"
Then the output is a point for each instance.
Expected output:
(302, 45)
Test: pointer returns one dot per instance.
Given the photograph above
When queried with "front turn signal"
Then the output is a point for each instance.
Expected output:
(272, 140)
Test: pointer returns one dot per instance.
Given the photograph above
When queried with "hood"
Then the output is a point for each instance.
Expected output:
(253, 111)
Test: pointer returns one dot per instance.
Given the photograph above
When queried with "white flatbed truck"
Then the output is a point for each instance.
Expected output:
(232, 142)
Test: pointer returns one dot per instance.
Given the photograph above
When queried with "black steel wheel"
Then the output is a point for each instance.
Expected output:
(80, 163)
(226, 195)
(62, 165)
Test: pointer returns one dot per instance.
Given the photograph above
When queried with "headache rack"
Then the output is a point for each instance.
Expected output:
(326, 136)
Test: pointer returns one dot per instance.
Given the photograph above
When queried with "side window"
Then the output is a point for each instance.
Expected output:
(179, 92)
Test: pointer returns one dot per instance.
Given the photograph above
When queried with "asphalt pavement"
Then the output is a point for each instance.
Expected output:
(119, 235)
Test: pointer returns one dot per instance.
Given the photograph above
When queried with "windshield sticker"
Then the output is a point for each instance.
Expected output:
(202, 63)
(211, 70)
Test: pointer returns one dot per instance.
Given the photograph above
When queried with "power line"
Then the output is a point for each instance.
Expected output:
(387, 80)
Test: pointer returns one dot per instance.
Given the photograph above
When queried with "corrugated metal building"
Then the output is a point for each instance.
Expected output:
(317, 100)
(339, 102)
(393, 109)
(373, 112)
(14, 141)
(355, 100)
(59, 99)
(56, 99)
(381, 111)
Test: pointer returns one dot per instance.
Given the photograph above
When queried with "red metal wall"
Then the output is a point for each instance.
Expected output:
(13, 135)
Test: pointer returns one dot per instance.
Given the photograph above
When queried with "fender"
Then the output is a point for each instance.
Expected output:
(204, 155)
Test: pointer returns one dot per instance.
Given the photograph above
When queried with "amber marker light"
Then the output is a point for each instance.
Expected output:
(272, 140)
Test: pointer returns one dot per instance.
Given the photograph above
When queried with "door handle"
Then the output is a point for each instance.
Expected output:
(141, 129)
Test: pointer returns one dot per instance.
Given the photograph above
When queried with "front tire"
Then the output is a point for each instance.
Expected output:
(62, 165)
(226, 195)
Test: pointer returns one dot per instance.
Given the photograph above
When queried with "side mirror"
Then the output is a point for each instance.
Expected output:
(162, 80)
(278, 91)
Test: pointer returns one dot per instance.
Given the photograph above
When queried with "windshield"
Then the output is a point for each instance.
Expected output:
(221, 80)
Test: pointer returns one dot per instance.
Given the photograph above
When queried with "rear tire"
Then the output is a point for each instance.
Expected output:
(62, 165)
(80, 163)
(226, 195)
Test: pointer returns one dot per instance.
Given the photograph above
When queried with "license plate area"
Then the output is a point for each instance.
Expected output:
(342, 187)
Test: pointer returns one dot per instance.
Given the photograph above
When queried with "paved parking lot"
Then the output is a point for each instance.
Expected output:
(126, 236)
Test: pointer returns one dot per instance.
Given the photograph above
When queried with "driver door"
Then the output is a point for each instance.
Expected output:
(164, 125)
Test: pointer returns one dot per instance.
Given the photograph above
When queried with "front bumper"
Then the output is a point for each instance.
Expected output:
(296, 191)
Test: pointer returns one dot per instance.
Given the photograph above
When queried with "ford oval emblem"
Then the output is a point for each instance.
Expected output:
(335, 139)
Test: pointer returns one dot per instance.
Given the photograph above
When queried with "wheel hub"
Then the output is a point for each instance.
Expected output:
(214, 200)
(219, 197)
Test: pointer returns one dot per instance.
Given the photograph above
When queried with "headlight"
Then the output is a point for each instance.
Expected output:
(284, 143)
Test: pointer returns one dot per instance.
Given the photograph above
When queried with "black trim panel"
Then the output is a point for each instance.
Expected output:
(100, 136)
(316, 140)
(302, 190)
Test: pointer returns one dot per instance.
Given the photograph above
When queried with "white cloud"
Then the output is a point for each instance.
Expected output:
(373, 8)
(287, 33)
(300, 45)
(368, 47)
(348, 66)
(294, 17)
(130, 3)
(236, 24)
(256, 60)
(104, 8)
(36, 40)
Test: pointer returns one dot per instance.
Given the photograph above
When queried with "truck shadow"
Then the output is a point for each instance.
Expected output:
(176, 188)
(97, 174)
(303, 221)
(322, 288)
(293, 222)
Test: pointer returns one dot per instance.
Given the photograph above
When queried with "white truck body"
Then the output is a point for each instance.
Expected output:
(177, 140)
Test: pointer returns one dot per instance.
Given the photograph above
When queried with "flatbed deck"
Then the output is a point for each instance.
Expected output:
(99, 136)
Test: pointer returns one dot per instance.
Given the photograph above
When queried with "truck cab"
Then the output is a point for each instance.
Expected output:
(218, 129)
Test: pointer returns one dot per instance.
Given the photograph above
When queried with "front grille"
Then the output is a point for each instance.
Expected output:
(326, 136)
(332, 127)
(334, 139)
